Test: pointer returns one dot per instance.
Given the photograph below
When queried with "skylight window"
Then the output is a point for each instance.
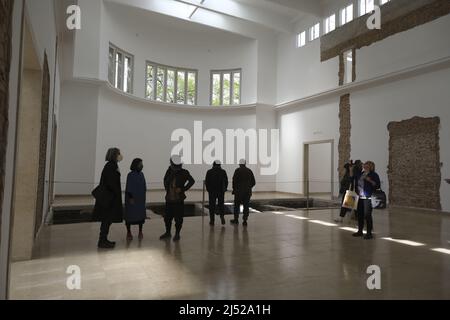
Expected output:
(195, 8)
(314, 32)
(330, 24)
(347, 14)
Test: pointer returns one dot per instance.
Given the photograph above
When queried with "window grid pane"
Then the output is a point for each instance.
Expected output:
(215, 99)
(149, 89)
(237, 88)
(170, 86)
(226, 90)
(160, 83)
(181, 87)
(191, 88)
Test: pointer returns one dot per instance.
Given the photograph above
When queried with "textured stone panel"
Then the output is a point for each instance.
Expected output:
(397, 16)
(414, 163)
(345, 128)
(6, 7)
(43, 144)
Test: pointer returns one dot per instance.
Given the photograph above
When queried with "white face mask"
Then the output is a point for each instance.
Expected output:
(119, 158)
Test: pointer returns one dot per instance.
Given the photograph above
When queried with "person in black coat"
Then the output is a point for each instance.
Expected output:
(366, 183)
(113, 211)
(216, 183)
(176, 182)
(243, 183)
(135, 198)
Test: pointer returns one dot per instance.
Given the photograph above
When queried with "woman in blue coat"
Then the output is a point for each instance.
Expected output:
(135, 198)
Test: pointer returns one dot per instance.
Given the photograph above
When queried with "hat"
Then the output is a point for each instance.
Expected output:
(217, 163)
(176, 160)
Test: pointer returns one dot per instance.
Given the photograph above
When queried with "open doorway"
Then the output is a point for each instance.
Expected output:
(26, 173)
(319, 169)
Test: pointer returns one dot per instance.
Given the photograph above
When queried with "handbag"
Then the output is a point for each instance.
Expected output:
(351, 200)
(102, 195)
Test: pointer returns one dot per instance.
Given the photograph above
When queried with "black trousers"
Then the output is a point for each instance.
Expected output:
(216, 201)
(104, 230)
(242, 199)
(364, 213)
(174, 211)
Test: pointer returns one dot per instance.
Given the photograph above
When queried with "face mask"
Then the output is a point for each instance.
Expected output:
(119, 158)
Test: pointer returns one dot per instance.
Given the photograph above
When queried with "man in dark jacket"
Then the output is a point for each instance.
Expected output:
(176, 182)
(243, 183)
(110, 211)
(216, 184)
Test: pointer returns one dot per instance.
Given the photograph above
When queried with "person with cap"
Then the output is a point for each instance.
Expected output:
(216, 183)
(176, 182)
(243, 183)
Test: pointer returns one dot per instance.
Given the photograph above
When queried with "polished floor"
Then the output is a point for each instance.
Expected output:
(294, 255)
(156, 196)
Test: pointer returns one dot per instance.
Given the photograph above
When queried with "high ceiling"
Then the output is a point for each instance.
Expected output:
(239, 16)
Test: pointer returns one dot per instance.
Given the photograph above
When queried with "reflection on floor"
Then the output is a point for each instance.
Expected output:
(299, 255)
(156, 196)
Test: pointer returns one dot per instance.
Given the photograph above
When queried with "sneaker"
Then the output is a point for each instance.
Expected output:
(129, 236)
(368, 236)
(244, 223)
(105, 245)
(176, 238)
(234, 221)
(358, 234)
(165, 236)
(222, 218)
(141, 236)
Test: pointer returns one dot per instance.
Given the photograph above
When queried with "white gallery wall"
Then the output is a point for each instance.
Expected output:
(421, 93)
(275, 71)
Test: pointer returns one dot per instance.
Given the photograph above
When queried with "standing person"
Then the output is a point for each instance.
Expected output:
(216, 184)
(243, 183)
(345, 184)
(112, 212)
(366, 183)
(135, 198)
(176, 182)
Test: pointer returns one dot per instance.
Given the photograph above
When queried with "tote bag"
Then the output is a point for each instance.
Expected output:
(351, 200)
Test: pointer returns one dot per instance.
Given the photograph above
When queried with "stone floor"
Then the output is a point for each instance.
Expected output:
(294, 255)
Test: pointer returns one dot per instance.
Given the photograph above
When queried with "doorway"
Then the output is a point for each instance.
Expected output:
(318, 169)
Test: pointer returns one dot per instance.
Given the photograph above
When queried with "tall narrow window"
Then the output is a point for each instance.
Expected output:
(366, 6)
(181, 87)
(226, 87)
(330, 23)
(120, 69)
(346, 14)
(301, 39)
(348, 61)
(314, 32)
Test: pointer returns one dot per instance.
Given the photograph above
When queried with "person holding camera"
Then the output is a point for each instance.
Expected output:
(347, 183)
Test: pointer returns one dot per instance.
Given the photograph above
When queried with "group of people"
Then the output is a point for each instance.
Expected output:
(361, 178)
(177, 181)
